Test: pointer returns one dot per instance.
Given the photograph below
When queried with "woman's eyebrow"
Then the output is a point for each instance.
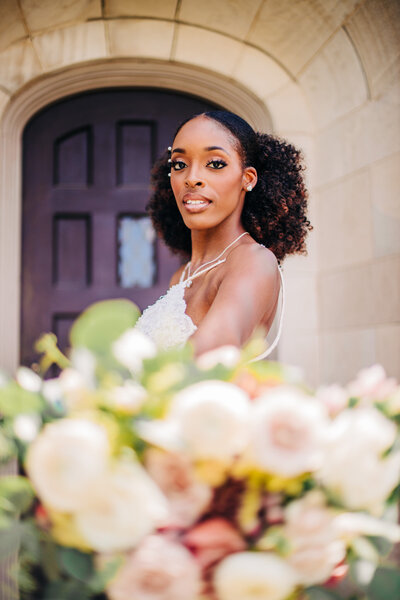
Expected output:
(207, 149)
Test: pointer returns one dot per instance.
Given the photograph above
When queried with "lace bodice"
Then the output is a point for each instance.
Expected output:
(166, 321)
(168, 325)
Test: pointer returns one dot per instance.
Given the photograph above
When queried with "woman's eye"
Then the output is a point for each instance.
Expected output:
(178, 165)
(216, 164)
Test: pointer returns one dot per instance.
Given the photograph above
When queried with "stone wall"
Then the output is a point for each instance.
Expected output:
(320, 73)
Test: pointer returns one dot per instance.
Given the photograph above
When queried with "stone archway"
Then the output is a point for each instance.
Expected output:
(50, 88)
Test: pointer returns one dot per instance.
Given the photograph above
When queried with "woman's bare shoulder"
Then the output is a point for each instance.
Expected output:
(253, 260)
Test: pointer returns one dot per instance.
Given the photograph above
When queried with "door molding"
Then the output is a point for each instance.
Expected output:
(49, 88)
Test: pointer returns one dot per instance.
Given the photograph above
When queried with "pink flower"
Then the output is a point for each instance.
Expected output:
(212, 540)
(174, 475)
(158, 570)
(334, 398)
(372, 384)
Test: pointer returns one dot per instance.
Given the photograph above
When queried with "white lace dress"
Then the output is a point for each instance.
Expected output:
(168, 325)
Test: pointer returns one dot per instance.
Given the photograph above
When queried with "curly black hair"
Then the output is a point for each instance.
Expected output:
(274, 212)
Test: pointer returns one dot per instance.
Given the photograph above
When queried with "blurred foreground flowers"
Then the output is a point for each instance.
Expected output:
(154, 476)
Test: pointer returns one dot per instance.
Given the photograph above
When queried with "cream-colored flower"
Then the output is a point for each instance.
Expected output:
(334, 398)
(28, 379)
(173, 473)
(254, 576)
(351, 525)
(127, 398)
(287, 431)
(124, 507)
(316, 546)
(66, 459)
(228, 356)
(212, 419)
(132, 347)
(26, 426)
(158, 570)
(353, 468)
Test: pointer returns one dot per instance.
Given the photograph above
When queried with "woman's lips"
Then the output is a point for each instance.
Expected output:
(194, 203)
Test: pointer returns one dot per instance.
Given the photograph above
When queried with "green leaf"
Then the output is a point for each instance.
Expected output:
(10, 539)
(101, 324)
(18, 491)
(99, 580)
(77, 564)
(321, 593)
(66, 590)
(15, 400)
(385, 585)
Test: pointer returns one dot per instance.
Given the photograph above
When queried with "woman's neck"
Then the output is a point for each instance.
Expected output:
(207, 244)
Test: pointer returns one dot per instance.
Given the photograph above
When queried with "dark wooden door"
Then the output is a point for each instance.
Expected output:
(85, 234)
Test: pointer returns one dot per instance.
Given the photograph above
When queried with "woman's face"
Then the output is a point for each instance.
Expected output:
(207, 177)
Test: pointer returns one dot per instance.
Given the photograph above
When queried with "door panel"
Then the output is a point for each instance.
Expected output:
(87, 162)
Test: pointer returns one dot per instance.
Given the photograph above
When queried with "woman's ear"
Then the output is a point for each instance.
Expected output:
(249, 178)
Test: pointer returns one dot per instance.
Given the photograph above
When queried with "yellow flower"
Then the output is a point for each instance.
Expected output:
(212, 472)
(65, 531)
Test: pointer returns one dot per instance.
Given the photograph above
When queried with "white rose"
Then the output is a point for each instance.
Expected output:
(65, 460)
(132, 347)
(124, 507)
(212, 419)
(228, 356)
(287, 431)
(353, 468)
(28, 379)
(254, 576)
(26, 426)
(334, 398)
(127, 398)
(316, 547)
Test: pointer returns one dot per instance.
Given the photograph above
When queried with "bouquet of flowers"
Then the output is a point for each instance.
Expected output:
(155, 476)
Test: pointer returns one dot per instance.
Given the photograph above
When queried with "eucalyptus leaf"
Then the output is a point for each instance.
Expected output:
(15, 400)
(18, 491)
(101, 324)
(99, 580)
(385, 585)
(321, 593)
(66, 590)
(77, 564)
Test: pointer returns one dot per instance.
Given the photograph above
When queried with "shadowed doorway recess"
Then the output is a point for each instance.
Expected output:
(85, 234)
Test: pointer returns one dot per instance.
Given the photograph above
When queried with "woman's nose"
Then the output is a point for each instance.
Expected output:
(193, 179)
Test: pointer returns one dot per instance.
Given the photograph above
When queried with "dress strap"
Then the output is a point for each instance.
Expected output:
(278, 335)
(189, 279)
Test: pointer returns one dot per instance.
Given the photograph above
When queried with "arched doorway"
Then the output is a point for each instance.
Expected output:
(85, 236)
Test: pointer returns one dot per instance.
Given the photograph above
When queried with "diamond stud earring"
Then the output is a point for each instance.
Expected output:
(249, 188)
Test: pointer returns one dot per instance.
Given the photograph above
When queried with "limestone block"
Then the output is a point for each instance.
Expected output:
(293, 32)
(368, 134)
(301, 290)
(206, 49)
(385, 282)
(334, 81)
(4, 99)
(11, 23)
(65, 46)
(149, 38)
(18, 64)
(344, 353)
(233, 17)
(388, 349)
(49, 13)
(290, 110)
(301, 351)
(385, 191)
(260, 73)
(345, 223)
(162, 9)
(347, 298)
(376, 21)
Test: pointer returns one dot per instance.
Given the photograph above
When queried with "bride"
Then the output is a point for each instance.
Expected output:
(235, 202)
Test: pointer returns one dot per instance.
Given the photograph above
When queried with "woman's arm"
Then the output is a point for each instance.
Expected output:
(246, 298)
